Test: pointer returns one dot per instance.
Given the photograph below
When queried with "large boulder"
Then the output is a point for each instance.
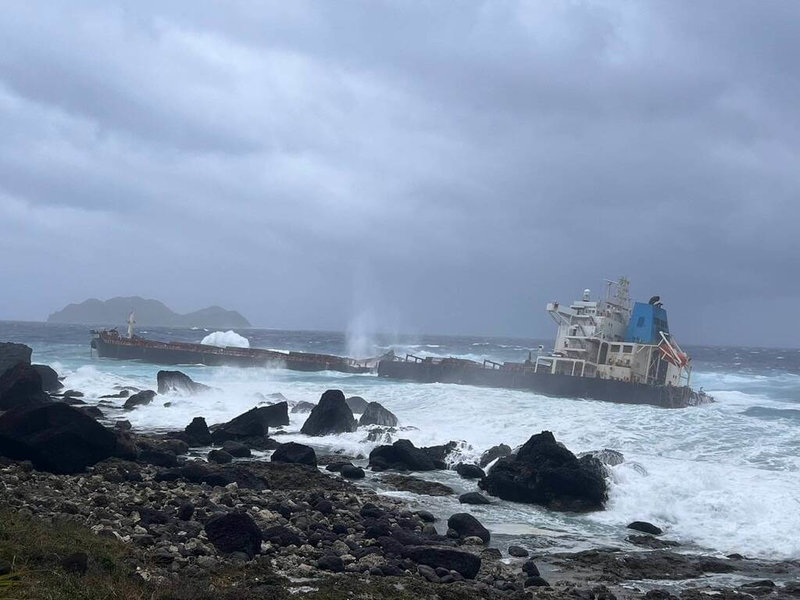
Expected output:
(357, 404)
(470, 471)
(21, 386)
(255, 423)
(55, 437)
(292, 452)
(12, 354)
(400, 456)
(468, 526)
(175, 381)
(544, 472)
(142, 398)
(493, 453)
(331, 415)
(196, 433)
(234, 532)
(465, 563)
(50, 380)
(376, 414)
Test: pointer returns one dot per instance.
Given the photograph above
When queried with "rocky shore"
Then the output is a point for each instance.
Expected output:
(119, 513)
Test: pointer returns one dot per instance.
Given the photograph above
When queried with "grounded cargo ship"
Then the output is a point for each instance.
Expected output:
(604, 350)
(110, 344)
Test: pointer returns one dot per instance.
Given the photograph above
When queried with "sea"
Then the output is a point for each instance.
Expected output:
(719, 479)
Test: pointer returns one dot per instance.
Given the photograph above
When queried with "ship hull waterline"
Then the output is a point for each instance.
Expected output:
(546, 384)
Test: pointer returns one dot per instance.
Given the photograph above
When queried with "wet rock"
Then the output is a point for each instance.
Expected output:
(518, 552)
(282, 536)
(76, 563)
(236, 449)
(330, 416)
(426, 516)
(139, 399)
(158, 457)
(123, 425)
(12, 354)
(494, 452)
(356, 404)
(176, 381)
(400, 456)
(185, 511)
(119, 394)
(376, 414)
(196, 433)
(648, 541)
(55, 438)
(536, 581)
(234, 532)
(352, 472)
(530, 569)
(303, 407)
(21, 386)
(293, 452)
(468, 526)
(469, 471)
(645, 527)
(544, 472)
(50, 380)
(416, 485)
(473, 498)
(222, 475)
(610, 458)
(255, 423)
(330, 562)
(465, 563)
(92, 411)
(219, 457)
(439, 454)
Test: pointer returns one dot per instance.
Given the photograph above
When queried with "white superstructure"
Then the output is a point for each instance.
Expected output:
(610, 339)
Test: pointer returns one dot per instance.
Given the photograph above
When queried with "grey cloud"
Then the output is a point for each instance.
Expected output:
(438, 167)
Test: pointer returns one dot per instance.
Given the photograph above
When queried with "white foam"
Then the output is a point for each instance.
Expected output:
(225, 339)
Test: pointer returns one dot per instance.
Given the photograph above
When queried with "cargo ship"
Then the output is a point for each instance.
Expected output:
(109, 343)
(605, 350)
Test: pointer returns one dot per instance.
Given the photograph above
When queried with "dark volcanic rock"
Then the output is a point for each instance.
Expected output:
(416, 485)
(518, 552)
(303, 407)
(293, 452)
(530, 569)
(12, 354)
(467, 526)
(473, 498)
(356, 404)
(645, 527)
(331, 562)
(139, 399)
(330, 415)
(236, 449)
(175, 381)
(21, 386)
(376, 414)
(544, 472)
(453, 560)
(608, 457)
(50, 381)
(400, 456)
(349, 471)
(498, 451)
(158, 457)
(55, 437)
(235, 532)
(196, 433)
(219, 457)
(469, 471)
(254, 423)
(282, 536)
(198, 472)
(438, 454)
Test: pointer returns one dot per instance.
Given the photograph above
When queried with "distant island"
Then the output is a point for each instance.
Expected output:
(148, 313)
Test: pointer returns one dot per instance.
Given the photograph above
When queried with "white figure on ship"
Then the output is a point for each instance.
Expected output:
(131, 323)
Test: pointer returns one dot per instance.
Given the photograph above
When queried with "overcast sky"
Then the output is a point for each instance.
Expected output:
(416, 167)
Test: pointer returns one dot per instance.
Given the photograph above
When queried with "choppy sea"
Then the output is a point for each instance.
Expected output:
(720, 478)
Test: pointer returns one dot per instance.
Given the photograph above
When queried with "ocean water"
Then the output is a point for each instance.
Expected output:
(720, 478)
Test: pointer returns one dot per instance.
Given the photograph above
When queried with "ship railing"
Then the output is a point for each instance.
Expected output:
(491, 364)
(412, 358)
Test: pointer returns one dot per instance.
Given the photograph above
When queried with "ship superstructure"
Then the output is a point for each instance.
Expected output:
(609, 339)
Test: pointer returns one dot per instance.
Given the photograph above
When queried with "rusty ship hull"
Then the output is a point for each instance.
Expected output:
(519, 376)
(109, 344)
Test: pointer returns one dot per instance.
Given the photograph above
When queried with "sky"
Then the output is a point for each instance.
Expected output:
(405, 166)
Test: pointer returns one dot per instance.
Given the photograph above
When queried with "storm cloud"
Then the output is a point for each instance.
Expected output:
(422, 167)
